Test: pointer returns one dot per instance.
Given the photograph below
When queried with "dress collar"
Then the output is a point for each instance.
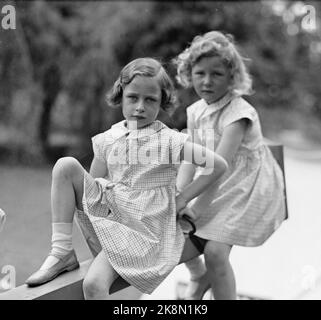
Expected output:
(120, 129)
(217, 105)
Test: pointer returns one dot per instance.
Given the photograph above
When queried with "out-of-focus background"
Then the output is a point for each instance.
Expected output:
(57, 65)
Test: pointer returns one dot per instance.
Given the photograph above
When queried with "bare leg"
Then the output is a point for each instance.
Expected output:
(196, 292)
(199, 282)
(66, 194)
(189, 251)
(220, 271)
(99, 278)
(66, 189)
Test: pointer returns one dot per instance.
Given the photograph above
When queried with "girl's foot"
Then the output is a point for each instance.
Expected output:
(63, 263)
(50, 261)
(197, 288)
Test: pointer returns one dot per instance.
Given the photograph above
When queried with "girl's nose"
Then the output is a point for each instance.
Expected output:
(140, 106)
(207, 79)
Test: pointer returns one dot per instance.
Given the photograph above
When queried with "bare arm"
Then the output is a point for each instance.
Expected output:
(187, 170)
(185, 175)
(230, 142)
(231, 139)
(98, 169)
(200, 156)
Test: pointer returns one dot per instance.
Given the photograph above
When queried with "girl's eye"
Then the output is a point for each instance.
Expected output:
(132, 98)
(151, 100)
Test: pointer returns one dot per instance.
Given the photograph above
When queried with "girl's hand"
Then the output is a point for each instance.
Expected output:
(187, 212)
(181, 207)
(180, 203)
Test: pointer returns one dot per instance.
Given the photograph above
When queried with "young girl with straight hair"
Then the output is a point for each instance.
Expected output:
(129, 202)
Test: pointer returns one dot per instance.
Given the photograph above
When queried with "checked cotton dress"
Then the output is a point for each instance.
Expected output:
(249, 204)
(132, 210)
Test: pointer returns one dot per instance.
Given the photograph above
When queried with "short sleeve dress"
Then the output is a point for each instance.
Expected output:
(132, 210)
(249, 204)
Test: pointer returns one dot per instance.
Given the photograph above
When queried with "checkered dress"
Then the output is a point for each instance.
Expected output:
(132, 210)
(249, 204)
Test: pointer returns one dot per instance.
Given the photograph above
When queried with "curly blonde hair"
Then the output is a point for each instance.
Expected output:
(215, 43)
(147, 67)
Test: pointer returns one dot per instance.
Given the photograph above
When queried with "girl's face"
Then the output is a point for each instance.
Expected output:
(141, 101)
(211, 78)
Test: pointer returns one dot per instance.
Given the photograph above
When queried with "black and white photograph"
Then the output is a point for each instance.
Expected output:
(160, 150)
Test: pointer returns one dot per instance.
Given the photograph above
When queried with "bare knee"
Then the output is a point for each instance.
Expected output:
(216, 256)
(66, 167)
(94, 289)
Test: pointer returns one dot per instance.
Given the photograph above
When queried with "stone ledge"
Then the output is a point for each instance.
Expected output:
(68, 286)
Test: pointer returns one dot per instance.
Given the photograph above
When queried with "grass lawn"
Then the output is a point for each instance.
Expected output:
(25, 239)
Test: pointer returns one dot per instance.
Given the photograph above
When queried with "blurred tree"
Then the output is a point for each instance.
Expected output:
(279, 59)
(51, 85)
(75, 50)
(50, 34)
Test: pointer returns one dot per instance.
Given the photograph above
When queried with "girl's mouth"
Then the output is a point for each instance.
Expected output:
(207, 91)
(138, 117)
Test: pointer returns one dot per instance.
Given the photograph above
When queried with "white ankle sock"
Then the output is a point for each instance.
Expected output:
(61, 242)
(196, 267)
